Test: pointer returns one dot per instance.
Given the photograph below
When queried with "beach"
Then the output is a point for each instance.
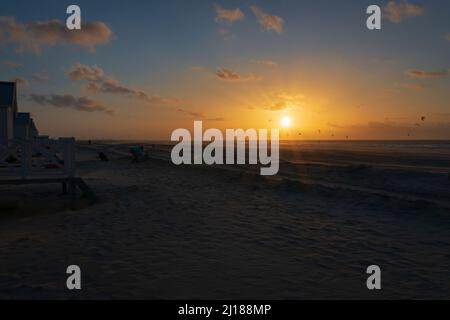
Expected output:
(161, 231)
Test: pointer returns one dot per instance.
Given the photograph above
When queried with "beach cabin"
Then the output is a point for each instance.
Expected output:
(8, 108)
(23, 153)
(13, 124)
(24, 127)
(26, 157)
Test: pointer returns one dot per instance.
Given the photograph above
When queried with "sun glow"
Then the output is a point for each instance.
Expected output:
(286, 122)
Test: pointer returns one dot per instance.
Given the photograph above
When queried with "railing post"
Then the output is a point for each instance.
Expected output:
(69, 156)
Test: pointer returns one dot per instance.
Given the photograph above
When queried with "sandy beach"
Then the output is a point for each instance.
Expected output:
(184, 232)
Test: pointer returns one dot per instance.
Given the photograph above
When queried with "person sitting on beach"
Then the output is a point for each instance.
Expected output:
(138, 154)
(102, 156)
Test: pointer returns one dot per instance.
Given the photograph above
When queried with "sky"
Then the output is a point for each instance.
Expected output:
(145, 68)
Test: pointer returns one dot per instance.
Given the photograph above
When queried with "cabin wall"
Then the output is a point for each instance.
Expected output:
(21, 130)
(6, 125)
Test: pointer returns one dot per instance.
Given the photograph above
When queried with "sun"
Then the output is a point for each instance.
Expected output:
(286, 122)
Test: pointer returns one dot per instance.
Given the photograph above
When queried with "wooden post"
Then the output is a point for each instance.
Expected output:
(69, 167)
(69, 156)
(26, 154)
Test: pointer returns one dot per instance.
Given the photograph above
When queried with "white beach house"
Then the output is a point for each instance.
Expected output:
(13, 124)
(27, 158)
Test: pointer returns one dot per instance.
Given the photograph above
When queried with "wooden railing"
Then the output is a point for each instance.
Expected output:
(38, 158)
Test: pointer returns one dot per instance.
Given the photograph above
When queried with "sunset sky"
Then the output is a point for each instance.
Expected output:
(140, 69)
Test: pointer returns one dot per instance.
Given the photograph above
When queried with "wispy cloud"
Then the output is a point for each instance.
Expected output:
(21, 82)
(229, 16)
(230, 75)
(284, 101)
(41, 77)
(413, 86)
(11, 64)
(198, 68)
(413, 73)
(277, 106)
(32, 36)
(226, 74)
(448, 37)
(226, 34)
(268, 63)
(115, 87)
(84, 72)
(398, 11)
(198, 115)
(267, 21)
(192, 113)
(99, 82)
(69, 101)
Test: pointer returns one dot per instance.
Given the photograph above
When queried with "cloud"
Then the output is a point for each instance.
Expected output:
(448, 37)
(284, 101)
(21, 82)
(68, 101)
(280, 106)
(114, 87)
(268, 63)
(83, 72)
(99, 82)
(40, 77)
(192, 113)
(11, 64)
(32, 36)
(198, 115)
(268, 22)
(230, 75)
(226, 34)
(396, 12)
(198, 68)
(229, 16)
(413, 73)
(227, 74)
(277, 106)
(413, 86)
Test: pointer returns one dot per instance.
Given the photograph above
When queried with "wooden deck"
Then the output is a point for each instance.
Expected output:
(43, 161)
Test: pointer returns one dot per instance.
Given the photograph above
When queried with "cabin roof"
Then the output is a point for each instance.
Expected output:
(7, 94)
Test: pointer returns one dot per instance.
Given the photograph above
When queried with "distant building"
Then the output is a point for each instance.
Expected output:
(13, 124)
